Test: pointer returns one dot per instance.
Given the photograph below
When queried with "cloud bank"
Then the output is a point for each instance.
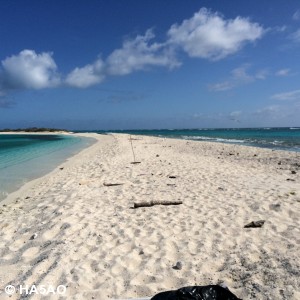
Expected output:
(205, 35)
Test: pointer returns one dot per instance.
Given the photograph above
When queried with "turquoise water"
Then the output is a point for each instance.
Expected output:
(273, 138)
(25, 157)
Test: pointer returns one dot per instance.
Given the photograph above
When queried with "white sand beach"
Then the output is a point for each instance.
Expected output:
(72, 228)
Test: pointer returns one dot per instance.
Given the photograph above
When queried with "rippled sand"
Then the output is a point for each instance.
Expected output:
(90, 239)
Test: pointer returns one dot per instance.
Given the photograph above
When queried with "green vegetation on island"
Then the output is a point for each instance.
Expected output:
(34, 129)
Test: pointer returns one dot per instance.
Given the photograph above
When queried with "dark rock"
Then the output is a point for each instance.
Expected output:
(157, 155)
(255, 224)
(173, 177)
(34, 236)
(178, 266)
(290, 179)
(293, 172)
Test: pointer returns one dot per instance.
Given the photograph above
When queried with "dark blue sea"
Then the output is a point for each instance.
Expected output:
(24, 157)
(272, 138)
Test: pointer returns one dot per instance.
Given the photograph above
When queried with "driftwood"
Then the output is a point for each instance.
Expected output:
(152, 203)
(112, 184)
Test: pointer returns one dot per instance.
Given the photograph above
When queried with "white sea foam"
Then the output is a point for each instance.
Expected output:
(207, 138)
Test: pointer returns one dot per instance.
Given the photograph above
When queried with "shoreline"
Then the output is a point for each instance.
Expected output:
(90, 239)
(29, 184)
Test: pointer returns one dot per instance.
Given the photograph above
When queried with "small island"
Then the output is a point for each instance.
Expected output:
(35, 129)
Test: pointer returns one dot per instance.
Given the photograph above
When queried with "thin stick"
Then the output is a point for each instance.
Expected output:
(132, 148)
(152, 203)
(112, 184)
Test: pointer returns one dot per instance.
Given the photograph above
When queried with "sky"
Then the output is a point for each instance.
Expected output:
(149, 64)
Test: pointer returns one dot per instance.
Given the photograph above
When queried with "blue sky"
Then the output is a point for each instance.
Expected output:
(149, 64)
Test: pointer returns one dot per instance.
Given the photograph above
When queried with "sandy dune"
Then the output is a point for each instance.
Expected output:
(68, 228)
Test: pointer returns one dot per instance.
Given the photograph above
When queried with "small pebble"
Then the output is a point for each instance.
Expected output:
(34, 236)
(178, 266)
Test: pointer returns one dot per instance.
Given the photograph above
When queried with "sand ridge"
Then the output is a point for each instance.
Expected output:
(90, 239)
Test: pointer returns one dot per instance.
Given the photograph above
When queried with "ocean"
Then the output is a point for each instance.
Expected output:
(24, 157)
(272, 138)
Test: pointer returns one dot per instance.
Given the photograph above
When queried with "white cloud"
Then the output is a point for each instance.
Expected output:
(262, 74)
(235, 116)
(29, 70)
(135, 55)
(205, 35)
(209, 35)
(271, 113)
(221, 86)
(293, 95)
(87, 75)
(296, 15)
(280, 28)
(271, 109)
(283, 72)
(239, 76)
(138, 54)
(283, 115)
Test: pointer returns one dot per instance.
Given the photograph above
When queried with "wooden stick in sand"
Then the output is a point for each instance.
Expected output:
(112, 184)
(134, 162)
(132, 148)
(152, 203)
